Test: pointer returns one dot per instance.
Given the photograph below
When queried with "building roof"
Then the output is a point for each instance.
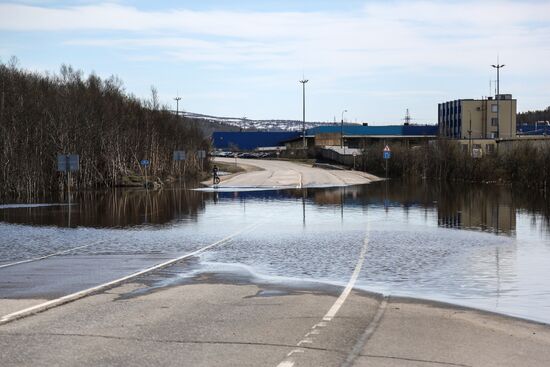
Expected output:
(388, 130)
(533, 129)
(250, 140)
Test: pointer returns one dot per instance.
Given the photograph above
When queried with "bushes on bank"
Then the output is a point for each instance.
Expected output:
(524, 165)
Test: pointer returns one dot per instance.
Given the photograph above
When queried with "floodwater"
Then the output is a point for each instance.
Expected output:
(482, 246)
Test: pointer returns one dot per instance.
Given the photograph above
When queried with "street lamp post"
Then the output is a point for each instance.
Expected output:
(304, 81)
(342, 129)
(498, 67)
(177, 99)
(470, 136)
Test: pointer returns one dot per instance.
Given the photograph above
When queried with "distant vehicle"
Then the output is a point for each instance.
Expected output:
(219, 153)
(246, 155)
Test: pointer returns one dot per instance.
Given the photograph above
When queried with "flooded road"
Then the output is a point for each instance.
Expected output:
(479, 246)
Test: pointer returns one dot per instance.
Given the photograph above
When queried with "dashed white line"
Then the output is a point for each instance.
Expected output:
(288, 361)
(74, 296)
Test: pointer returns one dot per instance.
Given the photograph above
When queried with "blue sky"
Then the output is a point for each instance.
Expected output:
(244, 58)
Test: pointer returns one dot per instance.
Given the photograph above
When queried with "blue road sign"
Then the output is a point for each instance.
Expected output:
(144, 162)
(387, 155)
(179, 155)
(68, 162)
(74, 162)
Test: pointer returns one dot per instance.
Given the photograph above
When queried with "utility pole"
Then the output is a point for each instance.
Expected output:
(498, 67)
(177, 99)
(243, 123)
(304, 81)
(470, 136)
(407, 119)
(342, 130)
(2, 104)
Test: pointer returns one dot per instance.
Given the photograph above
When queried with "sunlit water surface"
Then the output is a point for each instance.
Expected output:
(479, 246)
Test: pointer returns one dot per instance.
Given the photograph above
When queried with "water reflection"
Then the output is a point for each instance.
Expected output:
(488, 208)
(426, 239)
(116, 208)
(483, 208)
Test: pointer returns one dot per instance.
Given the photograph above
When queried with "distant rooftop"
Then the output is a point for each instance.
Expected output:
(388, 130)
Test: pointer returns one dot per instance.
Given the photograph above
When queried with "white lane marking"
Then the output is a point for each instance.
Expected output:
(288, 361)
(340, 301)
(47, 256)
(295, 351)
(74, 296)
(320, 324)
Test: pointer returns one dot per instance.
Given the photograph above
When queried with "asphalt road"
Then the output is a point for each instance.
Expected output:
(285, 174)
(217, 322)
(164, 318)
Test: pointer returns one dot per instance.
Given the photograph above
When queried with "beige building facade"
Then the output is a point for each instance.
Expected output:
(478, 119)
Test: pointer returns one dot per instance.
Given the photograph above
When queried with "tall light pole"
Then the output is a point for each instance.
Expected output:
(342, 129)
(304, 81)
(177, 99)
(470, 136)
(498, 67)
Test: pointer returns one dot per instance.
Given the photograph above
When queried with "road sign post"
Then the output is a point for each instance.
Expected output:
(68, 163)
(354, 155)
(386, 155)
(179, 156)
(201, 155)
(145, 163)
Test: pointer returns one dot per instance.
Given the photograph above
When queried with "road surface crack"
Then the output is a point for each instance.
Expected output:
(415, 360)
(367, 334)
(174, 341)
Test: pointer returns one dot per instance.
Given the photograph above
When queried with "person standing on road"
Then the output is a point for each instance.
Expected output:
(215, 177)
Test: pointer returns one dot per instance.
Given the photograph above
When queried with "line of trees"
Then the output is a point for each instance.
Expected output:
(530, 117)
(42, 115)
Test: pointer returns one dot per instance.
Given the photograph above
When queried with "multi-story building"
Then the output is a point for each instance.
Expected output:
(478, 119)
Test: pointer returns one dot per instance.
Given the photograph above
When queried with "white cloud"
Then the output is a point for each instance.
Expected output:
(384, 34)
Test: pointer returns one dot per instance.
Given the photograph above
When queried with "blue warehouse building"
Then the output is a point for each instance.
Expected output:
(251, 140)
(354, 136)
(390, 131)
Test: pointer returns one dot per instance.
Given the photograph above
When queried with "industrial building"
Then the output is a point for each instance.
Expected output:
(480, 126)
(251, 140)
(352, 136)
(477, 123)
(360, 136)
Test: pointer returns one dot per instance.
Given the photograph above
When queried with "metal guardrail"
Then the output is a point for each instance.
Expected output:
(336, 154)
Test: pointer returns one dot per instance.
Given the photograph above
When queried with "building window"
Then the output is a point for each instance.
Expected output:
(494, 121)
(494, 108)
